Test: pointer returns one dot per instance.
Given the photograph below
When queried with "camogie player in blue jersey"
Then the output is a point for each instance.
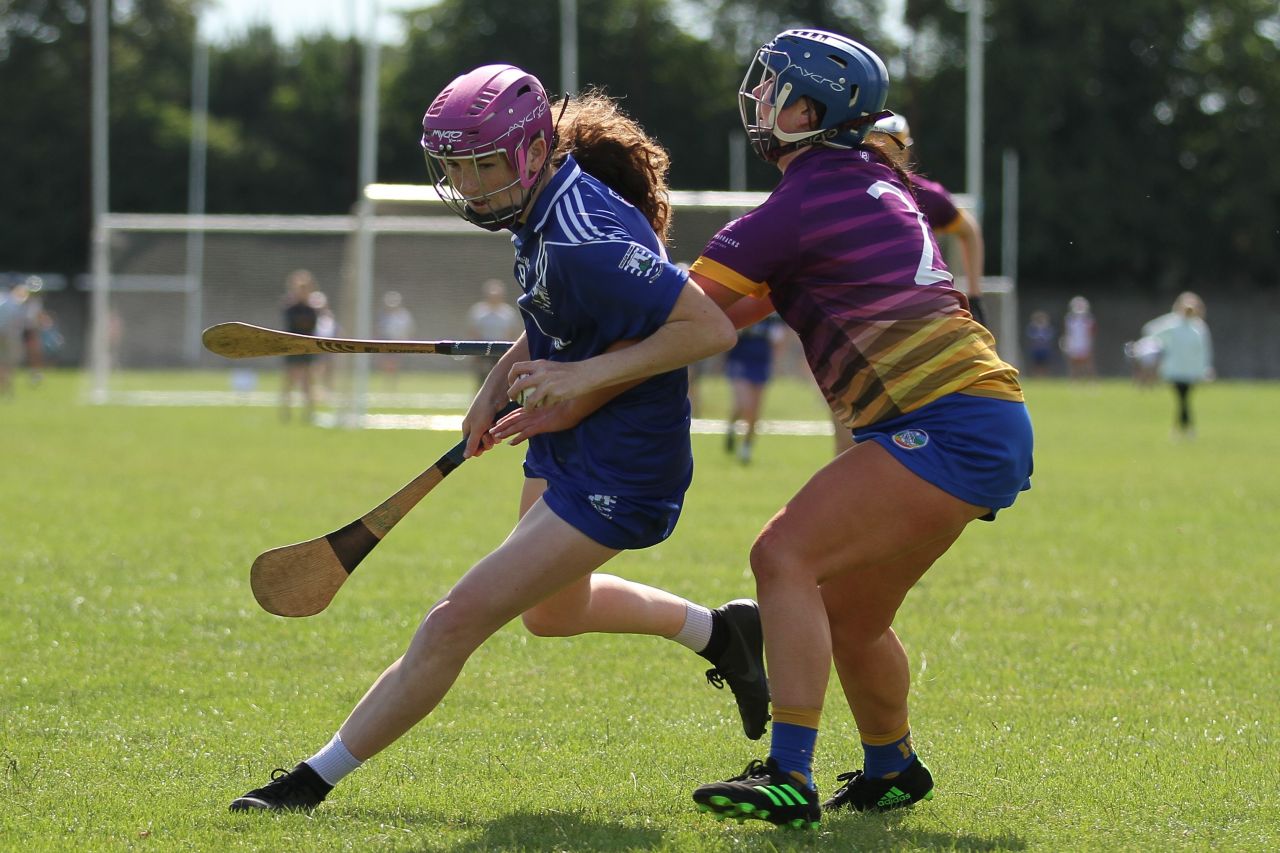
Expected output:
(610, 323)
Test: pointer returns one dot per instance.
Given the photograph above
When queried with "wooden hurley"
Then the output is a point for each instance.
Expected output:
(301, 579)
(245, 340)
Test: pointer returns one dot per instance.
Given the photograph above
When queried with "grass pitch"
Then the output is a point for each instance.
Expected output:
(1097, 670)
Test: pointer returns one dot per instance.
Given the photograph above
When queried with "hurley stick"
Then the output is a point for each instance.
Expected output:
(244, 340)
(301, 579)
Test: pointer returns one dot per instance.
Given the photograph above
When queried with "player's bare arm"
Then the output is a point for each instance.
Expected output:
(741, 310)
(526, 422)
(695, 329)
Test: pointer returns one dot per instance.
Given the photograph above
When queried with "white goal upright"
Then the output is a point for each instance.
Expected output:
(164, 287)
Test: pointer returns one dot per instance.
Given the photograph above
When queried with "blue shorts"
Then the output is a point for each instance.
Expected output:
(623, 522)
(750, 360)
(975, 448)
(755, 372)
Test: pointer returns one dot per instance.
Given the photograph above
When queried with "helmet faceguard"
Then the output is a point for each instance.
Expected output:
(847, 82)
(495, 110)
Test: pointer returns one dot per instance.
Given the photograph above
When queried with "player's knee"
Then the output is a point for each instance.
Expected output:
(451, 626)
(773, 559)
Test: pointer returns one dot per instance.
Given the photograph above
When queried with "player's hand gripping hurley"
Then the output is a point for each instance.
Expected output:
(244, 340)
(301, 579)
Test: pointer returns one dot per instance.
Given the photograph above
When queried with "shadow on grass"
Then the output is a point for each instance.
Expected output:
(868, 835)
(556, 831)
(889, 831)
(576, 831)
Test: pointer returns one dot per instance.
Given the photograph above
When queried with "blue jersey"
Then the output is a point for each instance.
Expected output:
(592, 273)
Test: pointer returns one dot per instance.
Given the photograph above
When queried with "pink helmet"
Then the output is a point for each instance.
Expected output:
(495, 108)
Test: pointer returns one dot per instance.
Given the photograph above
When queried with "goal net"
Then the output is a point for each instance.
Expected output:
(171, 276)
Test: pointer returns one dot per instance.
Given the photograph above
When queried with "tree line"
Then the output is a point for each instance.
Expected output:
(1140, 127)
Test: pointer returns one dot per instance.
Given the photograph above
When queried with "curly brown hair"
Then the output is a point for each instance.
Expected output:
(611, 146)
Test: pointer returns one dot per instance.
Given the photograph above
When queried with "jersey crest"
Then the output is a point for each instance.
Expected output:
(641, 262)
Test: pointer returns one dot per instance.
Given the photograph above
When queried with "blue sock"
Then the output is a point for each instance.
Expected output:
(887, 755)
(792, 748)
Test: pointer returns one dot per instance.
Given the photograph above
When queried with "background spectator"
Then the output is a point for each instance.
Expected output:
(300, 318)
(492, 319)
(1041, 340)
(1186, 354)
(395, 323)
(1078, 332)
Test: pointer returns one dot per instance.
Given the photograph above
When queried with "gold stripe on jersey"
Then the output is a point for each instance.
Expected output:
(915, 363)
(957, 352)
(735, 281)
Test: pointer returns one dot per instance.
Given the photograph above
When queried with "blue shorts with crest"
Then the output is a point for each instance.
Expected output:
(624, 522)
(975, 448)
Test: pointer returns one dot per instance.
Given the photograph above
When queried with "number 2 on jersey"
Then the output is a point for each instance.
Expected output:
(925, 273)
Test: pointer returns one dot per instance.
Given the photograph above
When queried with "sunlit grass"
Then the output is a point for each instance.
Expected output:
(1097, 670)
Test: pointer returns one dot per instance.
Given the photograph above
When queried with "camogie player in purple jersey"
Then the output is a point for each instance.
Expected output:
(843, 253)
(609, 326)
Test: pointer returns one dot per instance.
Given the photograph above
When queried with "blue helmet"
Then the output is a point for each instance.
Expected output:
(846, 79)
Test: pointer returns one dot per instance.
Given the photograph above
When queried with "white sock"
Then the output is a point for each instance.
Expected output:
(696, 632)
(334, 762)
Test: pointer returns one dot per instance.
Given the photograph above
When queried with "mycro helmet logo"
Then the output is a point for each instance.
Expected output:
(536, 113)
(445, 135)
(911, 439)
(819, 80)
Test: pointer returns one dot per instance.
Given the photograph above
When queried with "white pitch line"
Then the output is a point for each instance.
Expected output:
(436, 423)
(453, 423)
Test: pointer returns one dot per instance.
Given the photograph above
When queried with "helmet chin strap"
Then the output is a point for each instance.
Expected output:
(774, 154)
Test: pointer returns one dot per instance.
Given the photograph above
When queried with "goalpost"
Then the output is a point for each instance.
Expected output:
(399, 238)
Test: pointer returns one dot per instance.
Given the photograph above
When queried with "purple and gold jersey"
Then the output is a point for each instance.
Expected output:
(592, 273)
(850, 263)
(935, 202)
